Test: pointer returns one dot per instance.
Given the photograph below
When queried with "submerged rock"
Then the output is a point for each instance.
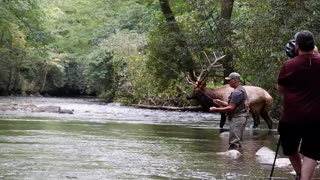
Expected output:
(47, 109)
(265, 153)
(234, 154)
(224, 135)
(34, 108)
(24, 107)
(66, 111)
(266, 156)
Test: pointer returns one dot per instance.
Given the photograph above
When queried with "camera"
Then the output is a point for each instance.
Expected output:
(291, 49)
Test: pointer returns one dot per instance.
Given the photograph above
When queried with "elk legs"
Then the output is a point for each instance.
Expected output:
(256, 120)
(267, 119)
(223, 119)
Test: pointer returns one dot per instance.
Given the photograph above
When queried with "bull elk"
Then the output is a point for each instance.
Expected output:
(259, 99)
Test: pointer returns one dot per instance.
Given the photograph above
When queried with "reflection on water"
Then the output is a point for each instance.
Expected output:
(108, 141)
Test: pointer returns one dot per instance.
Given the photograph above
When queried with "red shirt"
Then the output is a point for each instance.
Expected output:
(300, 77)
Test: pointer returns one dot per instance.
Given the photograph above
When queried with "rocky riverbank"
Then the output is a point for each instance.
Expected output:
(34, 108)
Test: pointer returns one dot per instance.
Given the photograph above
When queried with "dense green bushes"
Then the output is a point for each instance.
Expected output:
(128, 51)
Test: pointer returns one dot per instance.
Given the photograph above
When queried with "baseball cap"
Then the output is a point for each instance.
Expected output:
(233, 75)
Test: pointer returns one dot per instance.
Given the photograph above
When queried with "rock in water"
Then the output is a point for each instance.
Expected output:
(224, 135)
(47, 109)
(234, 154)
(66, 111)
(265, 153)
(266, 156)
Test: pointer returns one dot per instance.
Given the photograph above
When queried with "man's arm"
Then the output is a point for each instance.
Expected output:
(229, 108)
(220, 103)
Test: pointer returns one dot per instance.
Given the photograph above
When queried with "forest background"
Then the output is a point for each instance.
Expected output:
(140, 51)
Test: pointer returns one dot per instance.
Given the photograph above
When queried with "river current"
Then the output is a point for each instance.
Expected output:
(109, 141)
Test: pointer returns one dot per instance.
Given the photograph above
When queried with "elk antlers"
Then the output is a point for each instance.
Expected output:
(205, 72)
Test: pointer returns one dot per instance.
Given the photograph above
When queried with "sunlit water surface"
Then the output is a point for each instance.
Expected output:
(109, 141)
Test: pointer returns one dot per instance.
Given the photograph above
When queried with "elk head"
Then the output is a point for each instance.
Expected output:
(199, 84)
(200, 80)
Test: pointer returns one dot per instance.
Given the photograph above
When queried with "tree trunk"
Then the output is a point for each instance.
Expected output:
(226, 31)
(168, 14)
(173, 25)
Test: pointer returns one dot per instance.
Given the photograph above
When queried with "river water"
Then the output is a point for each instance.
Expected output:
(109, 141)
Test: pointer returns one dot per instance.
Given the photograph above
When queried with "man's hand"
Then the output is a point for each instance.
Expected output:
(217, 101)
(226, 109)
(212, 109)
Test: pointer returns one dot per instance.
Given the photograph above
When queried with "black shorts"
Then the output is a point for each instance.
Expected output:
(306, 132)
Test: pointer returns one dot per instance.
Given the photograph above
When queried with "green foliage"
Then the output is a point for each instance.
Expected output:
(128, 69)
(166, 57)
(261, 37)
(99, 75)
(85, 34)
(19, 22)
(135, 17)
(125, 50)
(260, 30)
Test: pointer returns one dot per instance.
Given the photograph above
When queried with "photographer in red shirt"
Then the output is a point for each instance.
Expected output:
(299, 83)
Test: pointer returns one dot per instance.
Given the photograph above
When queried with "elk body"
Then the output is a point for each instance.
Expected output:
(259, 101)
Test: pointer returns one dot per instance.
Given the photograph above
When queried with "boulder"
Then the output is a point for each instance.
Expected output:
(66, 111)
(233, 154)
(265, 153)
(266, 156)
(54, 109)
(224, 134)
(7, 107)
(24, 107)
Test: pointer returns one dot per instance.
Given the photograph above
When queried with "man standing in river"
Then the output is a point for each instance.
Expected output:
(298, 82)
(236, 109)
